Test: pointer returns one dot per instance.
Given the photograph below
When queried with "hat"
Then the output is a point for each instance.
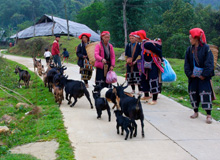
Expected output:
(142, 34)
(105, 33)
(198, 32)
(85, 34)
(132, 34)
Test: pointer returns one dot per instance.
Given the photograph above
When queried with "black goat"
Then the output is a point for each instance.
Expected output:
(108, 94)
(131, 107)
(100, 105)
(52, 73)
(75, 89)
(125, 124)
(23, 75)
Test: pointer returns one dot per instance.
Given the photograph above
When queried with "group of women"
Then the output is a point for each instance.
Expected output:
(144, 64)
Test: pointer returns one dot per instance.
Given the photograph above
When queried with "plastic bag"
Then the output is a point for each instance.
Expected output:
(169, 75)
(111, 77)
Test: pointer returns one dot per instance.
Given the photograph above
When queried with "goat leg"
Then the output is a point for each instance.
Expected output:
(142, 127)
(109, 114)
(127, 133)
(117, 129)
(135, 127)
(131, 130)
(88, 97)
(75, 100)
(122, 130)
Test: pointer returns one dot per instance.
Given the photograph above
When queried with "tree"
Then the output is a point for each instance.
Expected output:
(91, 15)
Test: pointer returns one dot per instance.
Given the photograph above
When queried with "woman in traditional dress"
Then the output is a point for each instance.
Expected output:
(83, 58)
(199, 68)
(105, 59)
(152, 67)
(132, 54)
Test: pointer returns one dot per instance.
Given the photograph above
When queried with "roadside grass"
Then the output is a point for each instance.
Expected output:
(46, 126)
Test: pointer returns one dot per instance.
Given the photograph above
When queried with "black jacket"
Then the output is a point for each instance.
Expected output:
(81, 51)
(206, 61)
(137, 51)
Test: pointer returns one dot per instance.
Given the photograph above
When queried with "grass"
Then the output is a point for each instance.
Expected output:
(45, 127)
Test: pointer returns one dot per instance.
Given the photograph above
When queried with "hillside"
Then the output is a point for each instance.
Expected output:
(214, 3)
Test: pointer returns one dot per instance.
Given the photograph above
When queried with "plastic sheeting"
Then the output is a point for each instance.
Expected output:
(43, 28)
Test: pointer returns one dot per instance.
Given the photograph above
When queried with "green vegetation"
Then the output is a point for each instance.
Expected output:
(46, 126)
(18, 157)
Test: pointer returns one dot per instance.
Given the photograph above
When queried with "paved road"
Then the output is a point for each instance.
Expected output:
(169, 132)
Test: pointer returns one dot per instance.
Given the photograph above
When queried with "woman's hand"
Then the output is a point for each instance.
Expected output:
(111, 68)
(134, 62)
(103, 61)
(84, 56)
(202, 78)
(192, 76)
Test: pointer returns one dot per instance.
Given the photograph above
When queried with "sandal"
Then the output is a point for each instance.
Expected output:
(208, 119)
(152, 103)
(145, 99)
(195, 115)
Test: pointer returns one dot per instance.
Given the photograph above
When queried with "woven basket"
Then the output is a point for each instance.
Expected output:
(90, 49)
(214, 50)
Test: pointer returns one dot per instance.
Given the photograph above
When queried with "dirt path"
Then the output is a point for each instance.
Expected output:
(169, 132)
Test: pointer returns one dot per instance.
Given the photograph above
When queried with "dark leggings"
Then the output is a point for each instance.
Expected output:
(133, 87)
(208, 112)
(154, 96)
(86, 81)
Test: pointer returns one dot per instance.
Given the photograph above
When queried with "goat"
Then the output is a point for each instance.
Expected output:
(131, 107)
(125, 124)
(75, 89)
(109, 95)
(23, 75)
(52, 73)
(100, 105)
(40, 70)
(36, 63)
(58, 94)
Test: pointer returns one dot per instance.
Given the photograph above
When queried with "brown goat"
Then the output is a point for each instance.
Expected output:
(40, 70)
(23, 75)
(58, 94)
(36, 63)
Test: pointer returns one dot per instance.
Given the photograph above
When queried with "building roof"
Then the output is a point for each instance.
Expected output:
(44, 28)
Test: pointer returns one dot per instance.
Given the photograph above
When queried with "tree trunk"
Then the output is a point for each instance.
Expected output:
(125, 21)
(67, 22)
(53, 26)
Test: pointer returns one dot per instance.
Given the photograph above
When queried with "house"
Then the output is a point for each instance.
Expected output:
(48, 25)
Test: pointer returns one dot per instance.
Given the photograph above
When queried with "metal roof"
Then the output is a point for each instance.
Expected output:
(44, 28)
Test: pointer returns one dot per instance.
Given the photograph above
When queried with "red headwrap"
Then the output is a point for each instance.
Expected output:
(85, 34)
(132, 34)
(105, 33)
(199, 33)
(142, 34)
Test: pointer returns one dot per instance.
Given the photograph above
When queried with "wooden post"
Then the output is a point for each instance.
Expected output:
(67, 22)
(125, 21)
(53, 26)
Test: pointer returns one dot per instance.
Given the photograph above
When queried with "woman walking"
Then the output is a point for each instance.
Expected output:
(83, 58)
(152, 64)
(199, 68)
(132, 54)
(105, 59)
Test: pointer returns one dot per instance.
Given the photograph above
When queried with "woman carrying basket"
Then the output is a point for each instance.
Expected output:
(199, 68)
(152, 67)
(105, 59)
(83, 61)
(132, 54)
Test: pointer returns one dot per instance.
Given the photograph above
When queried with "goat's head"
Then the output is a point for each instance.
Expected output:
(119, 89)
(95, 94)
(118, 113)
(16, 69)
(97, 88)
